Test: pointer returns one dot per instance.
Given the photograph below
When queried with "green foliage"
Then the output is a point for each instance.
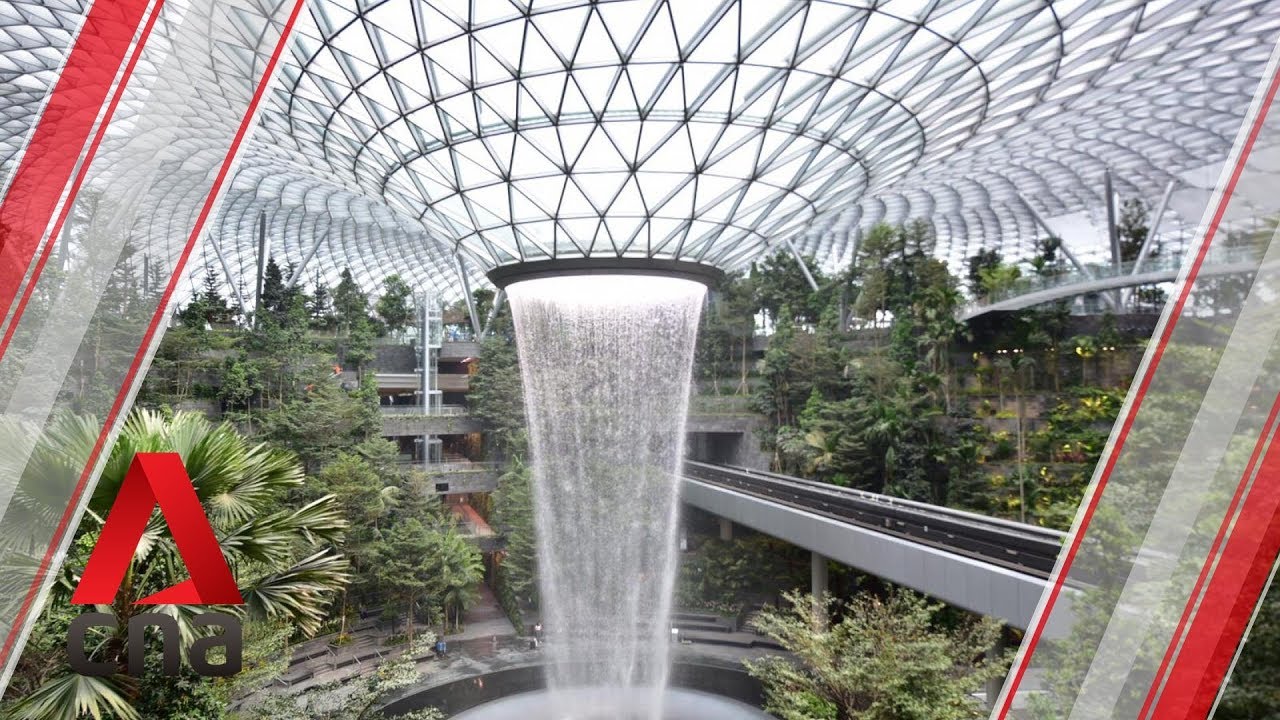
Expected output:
(274, 301)
(724, 337)
(415, 561)
(1131, 225)
(399, 568)
(723, 573)
(893, 440)
(893, 262)
(320, 307)
(350, 305)
(1254, 690)
(997, 280)
(782, 291)
(457, 568)
(936, 327)
(208, 307)
(882, 658)
(278, 379)
(266, 656)
(322, 422)
(355, 700)
(1105, 550)
(184, 697)
(483, 298)
(359, 345)
(1046, 262)
(68, 696)
(797, 364)
(187, 361)
(282, 554)
(395, 307)
(125, 305)
(366, 500)
(984, 260)
(497, 394)
(881, 419)
(239, 383)
(517, 578)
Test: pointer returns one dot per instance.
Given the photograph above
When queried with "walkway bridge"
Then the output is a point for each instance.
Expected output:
(986, 565)
(1089, 279)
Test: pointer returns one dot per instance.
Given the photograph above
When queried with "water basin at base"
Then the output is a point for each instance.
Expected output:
(612, 704)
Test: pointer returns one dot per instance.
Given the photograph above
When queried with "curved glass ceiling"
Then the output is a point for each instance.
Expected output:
(405, 132)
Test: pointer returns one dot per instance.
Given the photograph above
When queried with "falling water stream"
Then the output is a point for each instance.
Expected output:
(606, 363)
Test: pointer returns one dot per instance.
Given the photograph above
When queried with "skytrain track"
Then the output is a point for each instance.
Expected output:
(1016, 546)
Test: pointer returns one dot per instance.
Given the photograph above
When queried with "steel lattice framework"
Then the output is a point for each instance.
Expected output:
(404, 134)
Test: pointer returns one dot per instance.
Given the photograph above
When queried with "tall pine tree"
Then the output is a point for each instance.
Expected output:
(350, 305)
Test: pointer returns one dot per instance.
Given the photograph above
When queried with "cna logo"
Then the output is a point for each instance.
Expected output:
(158, 479)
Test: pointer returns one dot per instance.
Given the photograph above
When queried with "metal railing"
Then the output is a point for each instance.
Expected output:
(438, 411)
(462, 466)
(453, 467)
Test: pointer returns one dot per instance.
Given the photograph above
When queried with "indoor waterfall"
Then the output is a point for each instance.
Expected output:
(606, 363)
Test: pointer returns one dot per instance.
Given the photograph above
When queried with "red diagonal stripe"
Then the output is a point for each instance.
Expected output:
(1059, 579)
(74, 190)
(1232, 591)
(1176, 644)
(22, 618)
(73, 108)
(1233, 633)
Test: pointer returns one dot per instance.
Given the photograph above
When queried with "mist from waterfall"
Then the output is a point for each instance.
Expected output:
(606, 363)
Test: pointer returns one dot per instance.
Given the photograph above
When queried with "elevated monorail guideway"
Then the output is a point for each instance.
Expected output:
(988, 565)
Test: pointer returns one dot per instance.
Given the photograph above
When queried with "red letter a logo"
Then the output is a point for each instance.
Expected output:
(158, 478)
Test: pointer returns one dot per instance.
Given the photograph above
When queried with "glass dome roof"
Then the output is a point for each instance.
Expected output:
(406, 134)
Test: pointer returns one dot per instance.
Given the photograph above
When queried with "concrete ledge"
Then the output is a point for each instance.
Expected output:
(706, 422)
(395, 424)
(454, 350)
(463, 481)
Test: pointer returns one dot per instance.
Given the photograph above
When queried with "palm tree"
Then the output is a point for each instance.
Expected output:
(885, 423)
(938, 329)
(284, 558)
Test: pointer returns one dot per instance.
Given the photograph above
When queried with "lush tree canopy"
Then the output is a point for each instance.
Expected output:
(881, 658)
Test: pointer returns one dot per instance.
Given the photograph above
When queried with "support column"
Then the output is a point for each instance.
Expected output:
(471, 299)
(1113, 231)
(262, 266)
(1113, 236)
(1066, 251)
(994, 685)
(819, 581)
(726, 529)
(804, 268)
(498, 297)
(1154, 227)
(424, 373)
(306, 259)
(226, 272)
